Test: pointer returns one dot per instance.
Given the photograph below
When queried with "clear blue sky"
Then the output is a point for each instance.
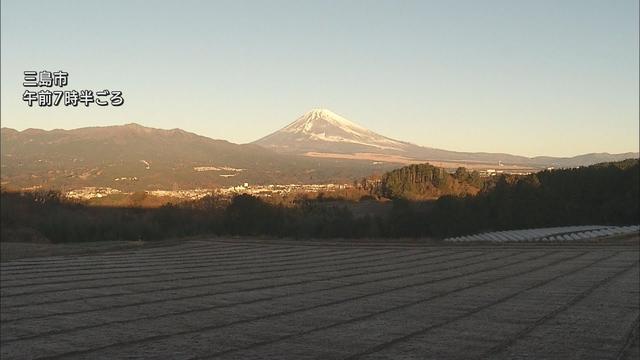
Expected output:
(526, 77)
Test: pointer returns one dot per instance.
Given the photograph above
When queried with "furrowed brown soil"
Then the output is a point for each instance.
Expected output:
(251, 298)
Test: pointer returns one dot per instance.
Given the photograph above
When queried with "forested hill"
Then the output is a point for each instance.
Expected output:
(605, 181)
(604, 194)
(423, 182)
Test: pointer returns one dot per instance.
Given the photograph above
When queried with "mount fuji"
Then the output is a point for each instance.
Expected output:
(323, 133)
(322, 130)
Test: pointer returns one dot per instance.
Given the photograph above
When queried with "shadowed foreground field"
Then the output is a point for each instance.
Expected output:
(241, 299)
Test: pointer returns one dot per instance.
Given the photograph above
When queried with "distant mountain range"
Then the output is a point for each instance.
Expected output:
(133, 157)
(319, 147)
(323, 133)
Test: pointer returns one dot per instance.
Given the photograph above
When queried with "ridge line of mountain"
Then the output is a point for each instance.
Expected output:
(173, 131)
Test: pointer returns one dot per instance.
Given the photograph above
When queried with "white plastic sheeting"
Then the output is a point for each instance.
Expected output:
(563, 233)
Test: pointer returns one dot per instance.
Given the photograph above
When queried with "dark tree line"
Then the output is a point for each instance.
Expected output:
(39, 216)
(599, 194)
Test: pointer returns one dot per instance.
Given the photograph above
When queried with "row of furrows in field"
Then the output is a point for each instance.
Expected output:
(325, 278)
(105, 262)
(166, 253)
(214, 254)
(193, 262)
(581, 319)
(388, 319)
(391, 312)
(115, 255)
(631, 348)
(553, 299)
(518, 259)
(177, 252)
(197, 260)
(399, 268)
(180, 280)
(387, 324)
(79, 302)
(394, 272)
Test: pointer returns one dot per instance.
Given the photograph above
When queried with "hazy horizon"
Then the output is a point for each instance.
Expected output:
(532, 79)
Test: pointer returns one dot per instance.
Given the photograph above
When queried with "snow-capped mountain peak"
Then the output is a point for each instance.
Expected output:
(324, 128)
(316, 117)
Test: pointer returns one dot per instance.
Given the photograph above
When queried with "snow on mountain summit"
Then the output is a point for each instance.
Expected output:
(314, 117)
(318, 129)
